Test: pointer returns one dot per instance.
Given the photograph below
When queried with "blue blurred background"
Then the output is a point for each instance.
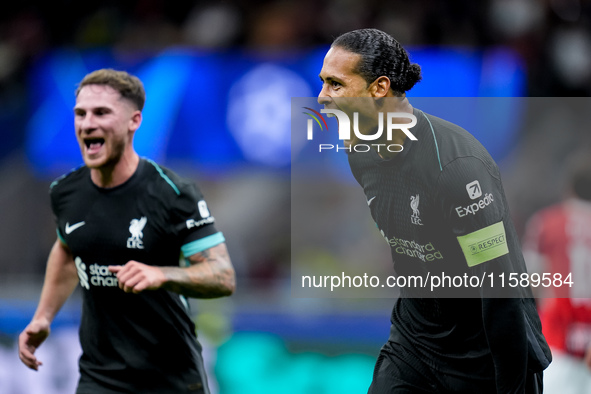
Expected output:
(217, 75)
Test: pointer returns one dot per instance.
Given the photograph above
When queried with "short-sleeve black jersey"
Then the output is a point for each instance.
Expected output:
(440, 206)
(136, 343)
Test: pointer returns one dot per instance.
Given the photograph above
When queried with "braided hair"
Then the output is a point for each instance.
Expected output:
(381, 55)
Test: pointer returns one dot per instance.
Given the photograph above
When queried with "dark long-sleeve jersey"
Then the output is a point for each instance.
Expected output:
(440, 206)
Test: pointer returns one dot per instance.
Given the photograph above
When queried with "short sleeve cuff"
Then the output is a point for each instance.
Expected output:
(202, 244)
(59, 235)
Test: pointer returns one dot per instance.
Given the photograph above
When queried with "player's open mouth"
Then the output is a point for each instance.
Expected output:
(93, 145)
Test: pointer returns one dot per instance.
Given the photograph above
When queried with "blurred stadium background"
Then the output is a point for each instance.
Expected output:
(219, 78)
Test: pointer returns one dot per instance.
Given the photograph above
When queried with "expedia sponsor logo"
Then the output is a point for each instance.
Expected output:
(100, 275)
(475, 207)
(474, 190)
(426, 252)
(193, 223)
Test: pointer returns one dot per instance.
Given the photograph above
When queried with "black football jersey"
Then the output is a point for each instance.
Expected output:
(140, 343)
(440, 206)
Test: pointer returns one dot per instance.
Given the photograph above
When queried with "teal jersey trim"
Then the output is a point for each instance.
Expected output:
(200, 245)
(59, 235)
(58, 179)
(185, 302)
(434, 139)
(166, 178)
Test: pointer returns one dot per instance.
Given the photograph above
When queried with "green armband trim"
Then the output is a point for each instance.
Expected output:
(200, 245)
(485, 244)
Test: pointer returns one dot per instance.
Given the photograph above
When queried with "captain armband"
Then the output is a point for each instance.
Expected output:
(485, 244)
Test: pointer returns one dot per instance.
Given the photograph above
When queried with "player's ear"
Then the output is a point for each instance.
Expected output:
(380, 87)
(135, 120)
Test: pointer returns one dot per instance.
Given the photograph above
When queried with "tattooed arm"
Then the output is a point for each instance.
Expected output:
(210, 275)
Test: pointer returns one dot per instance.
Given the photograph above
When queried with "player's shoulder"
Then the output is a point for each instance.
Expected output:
(455, 142)
(166, 183)
(458, 148)
(69, 181)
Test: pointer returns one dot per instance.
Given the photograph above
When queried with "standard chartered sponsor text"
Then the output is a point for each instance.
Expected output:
(411, 248)
(99, 275)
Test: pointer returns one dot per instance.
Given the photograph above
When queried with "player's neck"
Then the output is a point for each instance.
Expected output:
(112, 175)
(398, 104)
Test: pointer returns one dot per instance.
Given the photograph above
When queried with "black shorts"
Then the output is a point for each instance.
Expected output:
(399, 371)
(142, 382)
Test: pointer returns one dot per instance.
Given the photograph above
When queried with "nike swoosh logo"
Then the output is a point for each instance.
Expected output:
(73, 227)
(370, 200)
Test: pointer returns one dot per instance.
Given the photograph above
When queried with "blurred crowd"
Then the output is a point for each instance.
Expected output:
(553, 38)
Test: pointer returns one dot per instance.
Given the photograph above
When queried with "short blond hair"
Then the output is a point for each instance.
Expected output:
(129, 86)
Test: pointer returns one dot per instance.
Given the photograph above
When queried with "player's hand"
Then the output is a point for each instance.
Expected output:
(30, 339)
(135, 277)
